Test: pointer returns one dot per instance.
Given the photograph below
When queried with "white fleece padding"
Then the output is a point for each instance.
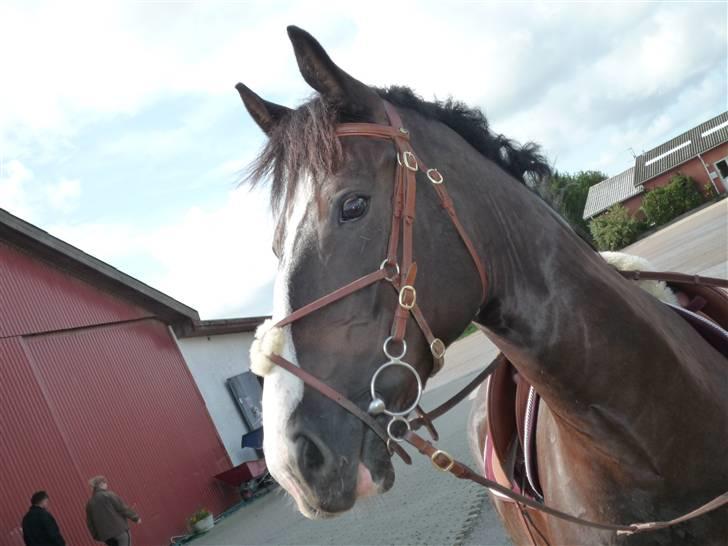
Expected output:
(268, 340)
(630, 262)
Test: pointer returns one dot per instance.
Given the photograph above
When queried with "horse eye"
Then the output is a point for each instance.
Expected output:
(353, 208)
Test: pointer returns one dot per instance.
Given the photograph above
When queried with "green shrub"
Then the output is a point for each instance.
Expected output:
(614, 229)
(663, 204)
(198, 516)
(709, 191)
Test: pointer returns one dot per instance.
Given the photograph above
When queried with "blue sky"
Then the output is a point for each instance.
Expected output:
(121, 132)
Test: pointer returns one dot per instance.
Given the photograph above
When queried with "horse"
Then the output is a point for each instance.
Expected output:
(633, 424)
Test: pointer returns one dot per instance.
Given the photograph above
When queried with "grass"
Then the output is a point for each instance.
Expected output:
(469, 330)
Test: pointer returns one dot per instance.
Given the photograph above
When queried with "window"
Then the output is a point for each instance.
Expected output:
(722, 167)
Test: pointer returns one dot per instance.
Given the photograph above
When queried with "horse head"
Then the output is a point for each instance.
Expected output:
(334, 198)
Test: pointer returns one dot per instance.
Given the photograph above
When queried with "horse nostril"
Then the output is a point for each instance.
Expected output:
(311, 455)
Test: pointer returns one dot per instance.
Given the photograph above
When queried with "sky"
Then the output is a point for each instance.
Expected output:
(121, 131)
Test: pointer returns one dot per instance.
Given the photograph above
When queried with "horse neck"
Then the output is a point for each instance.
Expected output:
(592, 344)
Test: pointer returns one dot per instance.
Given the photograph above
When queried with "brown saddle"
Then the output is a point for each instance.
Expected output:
(510, 449)
(707, 309)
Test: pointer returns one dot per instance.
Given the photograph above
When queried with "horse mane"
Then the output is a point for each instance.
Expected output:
(304, 142)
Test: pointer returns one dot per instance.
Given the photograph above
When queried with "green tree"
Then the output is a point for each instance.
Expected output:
(567, 195)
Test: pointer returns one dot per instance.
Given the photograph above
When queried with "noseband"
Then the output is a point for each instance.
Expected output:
(400, 274)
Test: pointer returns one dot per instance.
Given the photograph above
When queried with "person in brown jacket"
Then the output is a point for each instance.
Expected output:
(107, 515)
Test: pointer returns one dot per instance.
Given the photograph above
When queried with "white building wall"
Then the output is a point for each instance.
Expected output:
(212, 360)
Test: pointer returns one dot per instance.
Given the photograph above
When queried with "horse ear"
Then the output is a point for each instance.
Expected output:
(324, 76)
(265, 114)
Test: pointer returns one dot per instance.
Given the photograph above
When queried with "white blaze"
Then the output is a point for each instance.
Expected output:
(283, 391)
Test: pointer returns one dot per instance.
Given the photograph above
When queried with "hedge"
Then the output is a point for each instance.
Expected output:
(663, 204)
(614, 229)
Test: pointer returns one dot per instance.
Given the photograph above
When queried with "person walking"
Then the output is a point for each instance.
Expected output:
(39, 526)
(107, 515)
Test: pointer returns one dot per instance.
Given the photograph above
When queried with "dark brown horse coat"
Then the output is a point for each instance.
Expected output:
(635, 425)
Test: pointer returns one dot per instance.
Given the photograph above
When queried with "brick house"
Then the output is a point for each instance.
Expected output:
(701, 153)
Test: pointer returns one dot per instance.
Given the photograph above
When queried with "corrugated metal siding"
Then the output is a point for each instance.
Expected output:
(698, 144)
(33, 455)
(115, 400)
(37, 297)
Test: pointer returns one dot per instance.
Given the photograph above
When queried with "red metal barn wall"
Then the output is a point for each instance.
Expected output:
(90, 384)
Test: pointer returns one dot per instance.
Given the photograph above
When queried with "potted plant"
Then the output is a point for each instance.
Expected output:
(201, 521)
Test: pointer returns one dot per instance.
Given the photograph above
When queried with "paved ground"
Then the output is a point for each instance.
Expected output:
(427, 507)
(696, 244)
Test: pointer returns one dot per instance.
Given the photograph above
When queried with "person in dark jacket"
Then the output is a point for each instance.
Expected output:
(39, 526)
(107, 515)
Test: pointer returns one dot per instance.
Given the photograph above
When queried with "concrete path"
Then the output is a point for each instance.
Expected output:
(696, 244)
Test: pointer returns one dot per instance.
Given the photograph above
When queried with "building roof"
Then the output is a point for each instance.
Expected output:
(45, 246)
(610, 191)
(682, 148)
(217, 327)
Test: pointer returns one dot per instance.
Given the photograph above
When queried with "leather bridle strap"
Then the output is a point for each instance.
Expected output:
(343, 401)
(400, 136)
(400, 274)
(331, 297)
(444, 462)
(458, 397)
(678, 278)
(402, 279)
(447, 204)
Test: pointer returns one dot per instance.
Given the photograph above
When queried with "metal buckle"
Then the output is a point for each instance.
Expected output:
(407, 288)
(434, 180)
(450, 460)
(403, 131)
(409, 160)
(437, 348)
(384, 265)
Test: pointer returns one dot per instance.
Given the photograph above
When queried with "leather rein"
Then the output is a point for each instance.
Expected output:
(401, 276)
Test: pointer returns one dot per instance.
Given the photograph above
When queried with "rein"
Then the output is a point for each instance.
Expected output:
(401, 276)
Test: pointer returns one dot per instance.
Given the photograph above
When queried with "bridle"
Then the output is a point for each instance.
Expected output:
(401, 274)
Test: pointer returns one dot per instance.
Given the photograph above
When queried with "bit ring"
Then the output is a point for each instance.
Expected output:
(416, 402)
(384, 266)
(389, 355)
(397, 419)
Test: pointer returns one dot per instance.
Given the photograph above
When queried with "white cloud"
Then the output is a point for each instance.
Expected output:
(77, 63)
(24, 196)
(64, 195)
(13, 188)
(586, 80)
(214, 259)
(563, 64)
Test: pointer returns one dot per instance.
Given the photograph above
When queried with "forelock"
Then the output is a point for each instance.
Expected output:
(303, 145)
